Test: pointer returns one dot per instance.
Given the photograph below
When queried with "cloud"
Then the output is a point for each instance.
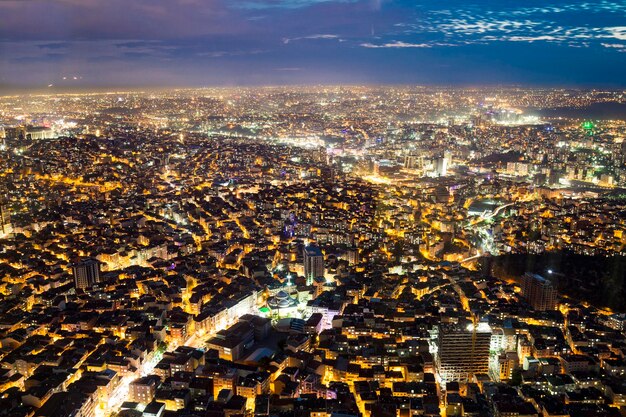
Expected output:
(325, 37)
(397, 44)
(570, 25)
(618, 32)
(480, 26)
(114, 19)
(603, 7)
(317, 36)
(620, 47)
(533, 38)
(85, 49)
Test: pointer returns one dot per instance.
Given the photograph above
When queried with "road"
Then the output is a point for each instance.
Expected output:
(120, 394)
(477, 228)
(471, 258)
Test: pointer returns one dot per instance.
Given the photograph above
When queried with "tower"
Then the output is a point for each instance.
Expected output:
(313, 263)
(322, 155)
(539, 292)
(86, 273)
(5, 220)
(441, 165)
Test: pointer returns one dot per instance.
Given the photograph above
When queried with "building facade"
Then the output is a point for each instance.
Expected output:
(313, 263)
(539, 292)
(462, 352)
(86, 273)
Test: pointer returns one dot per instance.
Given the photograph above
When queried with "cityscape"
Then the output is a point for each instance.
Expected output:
(312, 251)
(312, 208)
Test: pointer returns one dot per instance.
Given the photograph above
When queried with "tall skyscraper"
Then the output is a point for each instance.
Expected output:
(463, 352)
(539, 292)
(86, 272)
(313, 263)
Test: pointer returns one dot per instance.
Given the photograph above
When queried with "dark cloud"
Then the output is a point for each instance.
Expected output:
(54, 45)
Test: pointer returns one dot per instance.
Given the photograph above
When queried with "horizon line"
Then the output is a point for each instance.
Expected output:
(6, 91)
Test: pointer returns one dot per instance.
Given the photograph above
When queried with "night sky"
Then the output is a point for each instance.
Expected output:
(77, 43)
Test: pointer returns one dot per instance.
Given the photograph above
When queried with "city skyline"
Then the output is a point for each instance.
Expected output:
(185, 43)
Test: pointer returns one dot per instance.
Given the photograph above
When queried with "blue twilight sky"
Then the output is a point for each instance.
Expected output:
(260, 42)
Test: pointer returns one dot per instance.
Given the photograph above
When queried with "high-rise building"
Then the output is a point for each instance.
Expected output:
(322, 155)
(17, 132)
(463, 352)
(441, 165)
(539, 292)
(86, 272)
(5, 220)
(313, 263)
(352, 255)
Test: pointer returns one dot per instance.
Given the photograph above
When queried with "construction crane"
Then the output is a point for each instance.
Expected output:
(472, 354)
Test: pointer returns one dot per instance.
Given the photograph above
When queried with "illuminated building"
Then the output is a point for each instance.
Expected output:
(86, 273)
(441, 166)
(313, 263)
(539, 292)
(5, 220)
(462, 353)
(231, 343)
(142, 390)
(283, 304)
(40, 132)
(199, 227)
(352, 255)
(504, 365)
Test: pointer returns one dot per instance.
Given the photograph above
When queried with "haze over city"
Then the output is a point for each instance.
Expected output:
(312, 208)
